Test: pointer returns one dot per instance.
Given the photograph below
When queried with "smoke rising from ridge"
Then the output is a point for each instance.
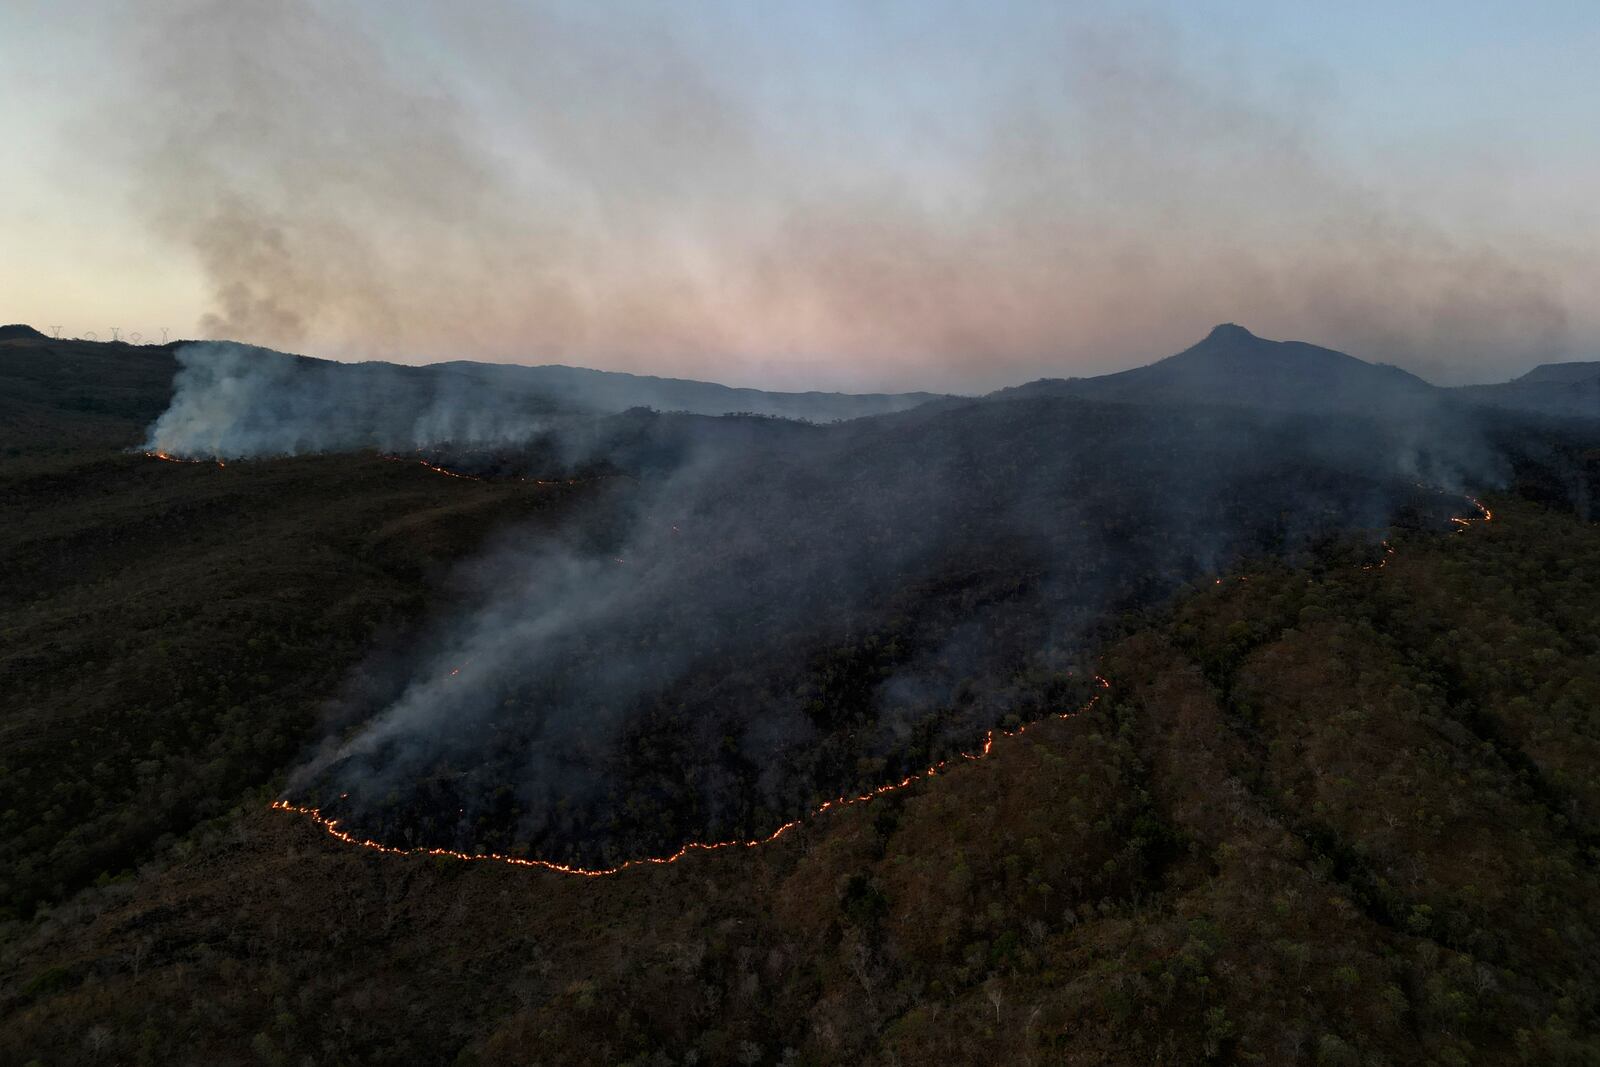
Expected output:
(233, 401)
(735, 616)
(619, 198)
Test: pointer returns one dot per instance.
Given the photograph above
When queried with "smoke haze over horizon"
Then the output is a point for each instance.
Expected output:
(889, 196)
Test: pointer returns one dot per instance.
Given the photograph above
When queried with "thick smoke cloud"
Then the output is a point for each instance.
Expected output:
(612, 191)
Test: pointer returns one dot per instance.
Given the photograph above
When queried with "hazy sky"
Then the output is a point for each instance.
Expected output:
(917, 194)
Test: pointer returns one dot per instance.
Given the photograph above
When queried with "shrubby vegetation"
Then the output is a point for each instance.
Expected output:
(1317, 820)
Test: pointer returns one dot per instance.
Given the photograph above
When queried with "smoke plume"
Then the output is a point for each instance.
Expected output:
(234, 401)
(1080, 195)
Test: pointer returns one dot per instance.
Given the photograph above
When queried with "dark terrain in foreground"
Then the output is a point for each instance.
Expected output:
(1334, 813)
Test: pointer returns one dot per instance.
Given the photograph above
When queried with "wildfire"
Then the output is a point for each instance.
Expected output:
(168, 457)
(448, 473)
(1484, 514)
(331, 826)
(1388, 554)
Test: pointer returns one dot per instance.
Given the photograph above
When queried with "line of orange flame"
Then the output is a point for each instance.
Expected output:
(168, 457)
(448, 473)
(332, 825)
(1484, 515)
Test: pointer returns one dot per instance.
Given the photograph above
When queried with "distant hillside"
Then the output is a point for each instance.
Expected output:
(616, 391)
(1234, 366)
(99, 387)
(62, 394)
(1563, 372)
(1567, 390)
(19, 332)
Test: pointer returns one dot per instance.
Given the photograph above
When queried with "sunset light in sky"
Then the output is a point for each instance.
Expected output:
(918, 195)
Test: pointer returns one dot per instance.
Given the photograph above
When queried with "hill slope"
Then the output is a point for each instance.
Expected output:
(59, 395)
(1563, 390)
(1335, 813)
(1336, 817)
(1562, 372)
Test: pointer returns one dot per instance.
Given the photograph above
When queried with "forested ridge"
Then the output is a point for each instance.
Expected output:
(1339, 808)
(1338, 815)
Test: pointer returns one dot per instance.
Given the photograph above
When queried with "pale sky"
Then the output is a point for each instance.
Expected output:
(867, 194)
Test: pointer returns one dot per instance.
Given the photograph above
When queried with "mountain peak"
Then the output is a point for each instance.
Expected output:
(20, 332)
(1230, 331)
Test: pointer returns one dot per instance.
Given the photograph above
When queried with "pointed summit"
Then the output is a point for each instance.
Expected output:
(1233, 366)
(1230, 332)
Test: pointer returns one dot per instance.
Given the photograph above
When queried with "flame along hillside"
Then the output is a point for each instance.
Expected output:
(837, 804)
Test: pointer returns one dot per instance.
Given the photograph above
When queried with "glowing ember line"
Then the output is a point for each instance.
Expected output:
(436, 469)
(1388, 554)
(331, 826)
(1484, 514)
(448, 473)
(168, 457)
